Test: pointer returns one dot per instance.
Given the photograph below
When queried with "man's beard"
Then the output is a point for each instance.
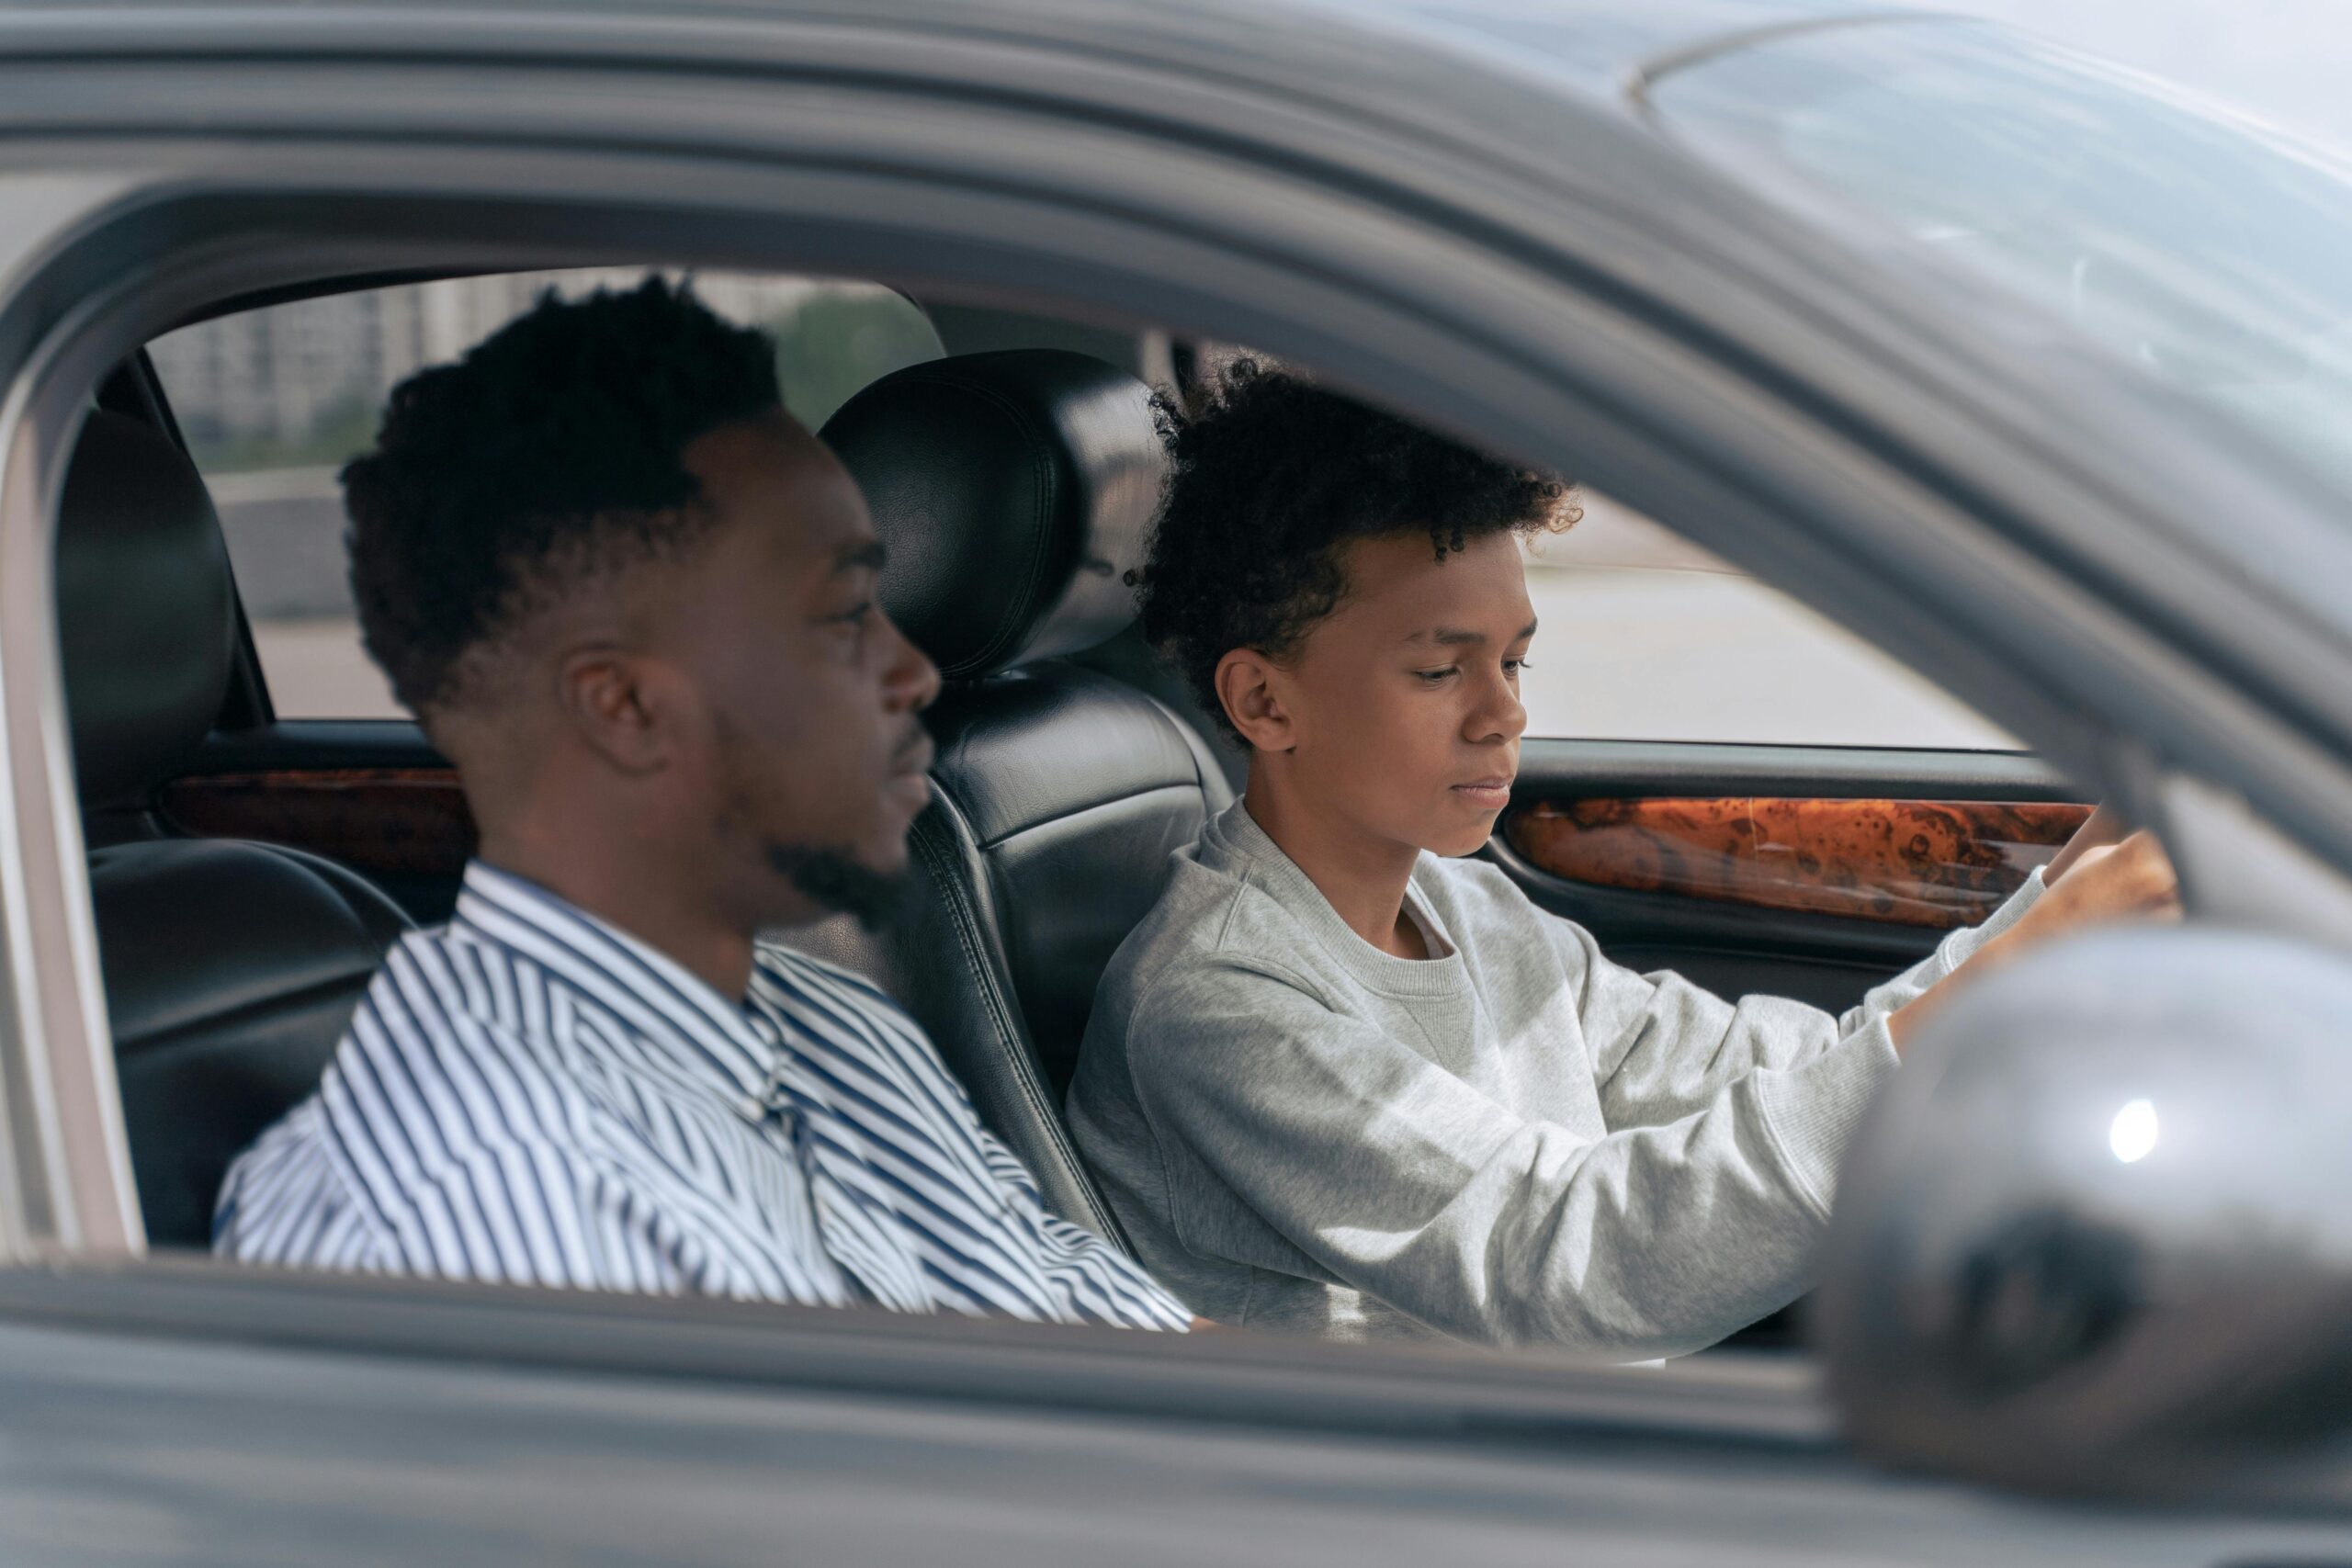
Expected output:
(836, 880)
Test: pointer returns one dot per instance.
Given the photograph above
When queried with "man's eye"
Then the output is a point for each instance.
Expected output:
(1516, 666)
(1434, 676)
(859, 616)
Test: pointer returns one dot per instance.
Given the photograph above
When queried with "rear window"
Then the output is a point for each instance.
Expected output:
(273, 402)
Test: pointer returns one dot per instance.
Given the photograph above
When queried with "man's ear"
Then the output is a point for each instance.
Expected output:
(1249, 685)
(617, 702)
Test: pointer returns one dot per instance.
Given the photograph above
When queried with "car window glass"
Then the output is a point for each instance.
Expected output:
(272, 401)
(1643, 636)
(1646, 637)
(2208, 252)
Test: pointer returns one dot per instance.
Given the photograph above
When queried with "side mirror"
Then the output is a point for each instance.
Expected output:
(2097, 1237)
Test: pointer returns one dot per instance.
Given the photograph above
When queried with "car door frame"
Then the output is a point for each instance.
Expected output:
(1821, 471)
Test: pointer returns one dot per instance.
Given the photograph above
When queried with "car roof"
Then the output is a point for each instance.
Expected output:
(1583, 48)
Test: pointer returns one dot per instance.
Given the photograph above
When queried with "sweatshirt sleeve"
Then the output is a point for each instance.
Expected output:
(1662, 1047)
(1950, 954)
(1404, 1182)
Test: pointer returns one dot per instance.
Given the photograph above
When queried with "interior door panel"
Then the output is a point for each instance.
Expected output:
(1806, 872)
(372, 796)
(1943, 863)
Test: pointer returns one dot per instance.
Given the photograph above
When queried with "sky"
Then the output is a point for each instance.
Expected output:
(2284, 60)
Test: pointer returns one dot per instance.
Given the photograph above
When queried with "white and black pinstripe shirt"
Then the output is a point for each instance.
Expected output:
(530, 1096)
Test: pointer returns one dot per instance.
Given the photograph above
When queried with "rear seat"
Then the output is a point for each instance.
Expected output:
(1015, 489)
(230, 968)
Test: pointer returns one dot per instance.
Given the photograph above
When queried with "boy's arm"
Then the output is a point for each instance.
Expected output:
(1661, 1046)
(1402, 1180)
(2104, 828)
(1955, 949)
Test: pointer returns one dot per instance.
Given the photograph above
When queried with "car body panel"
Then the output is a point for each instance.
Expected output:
(612, 1431)
(1501, 251)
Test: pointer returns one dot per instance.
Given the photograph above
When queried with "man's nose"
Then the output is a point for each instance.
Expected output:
(912, 680)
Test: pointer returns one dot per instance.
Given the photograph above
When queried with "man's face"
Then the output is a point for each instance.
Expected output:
(1404, 702)
(809, 759)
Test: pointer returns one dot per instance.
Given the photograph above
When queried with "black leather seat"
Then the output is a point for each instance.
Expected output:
(1015, 491)
(230, 968)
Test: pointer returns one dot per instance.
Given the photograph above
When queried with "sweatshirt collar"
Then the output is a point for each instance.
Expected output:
(1235, 836)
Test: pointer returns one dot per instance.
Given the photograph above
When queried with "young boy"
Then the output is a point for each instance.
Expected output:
(1339, 1082)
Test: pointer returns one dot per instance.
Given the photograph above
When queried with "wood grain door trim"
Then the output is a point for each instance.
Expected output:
(1937, 863)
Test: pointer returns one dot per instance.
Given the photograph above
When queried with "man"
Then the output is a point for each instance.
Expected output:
(633, 602)
(1339, 1083)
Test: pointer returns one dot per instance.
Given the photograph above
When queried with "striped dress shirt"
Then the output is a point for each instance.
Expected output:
(530, 1096)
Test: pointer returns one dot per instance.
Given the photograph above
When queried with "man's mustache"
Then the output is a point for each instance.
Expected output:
(913, 751)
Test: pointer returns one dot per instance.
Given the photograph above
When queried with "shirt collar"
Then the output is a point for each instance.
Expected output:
(653, 994)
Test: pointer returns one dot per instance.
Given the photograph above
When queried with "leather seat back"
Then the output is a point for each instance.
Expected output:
(230, 968)
(1016, 491)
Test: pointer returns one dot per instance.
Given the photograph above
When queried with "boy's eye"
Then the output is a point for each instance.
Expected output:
(1433, 676)
(855, 623)
(1515, 667)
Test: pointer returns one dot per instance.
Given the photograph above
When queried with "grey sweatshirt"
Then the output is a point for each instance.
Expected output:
(1512, 1142)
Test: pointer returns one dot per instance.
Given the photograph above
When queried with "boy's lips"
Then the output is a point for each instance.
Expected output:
(1490, 792)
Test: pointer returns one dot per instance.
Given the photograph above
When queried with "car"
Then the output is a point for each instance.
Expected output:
(2020, 369)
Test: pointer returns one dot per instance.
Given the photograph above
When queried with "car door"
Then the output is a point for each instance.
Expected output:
(1717, 781)
(1779, 417)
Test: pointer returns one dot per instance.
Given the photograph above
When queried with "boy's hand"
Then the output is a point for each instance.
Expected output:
(2101, 882)
(2130, 880)
(2104, 826)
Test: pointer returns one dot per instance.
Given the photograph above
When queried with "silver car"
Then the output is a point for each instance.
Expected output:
(2034, 375)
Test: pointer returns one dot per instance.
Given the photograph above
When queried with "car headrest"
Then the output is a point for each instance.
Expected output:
(146, 621)
(1015, 491)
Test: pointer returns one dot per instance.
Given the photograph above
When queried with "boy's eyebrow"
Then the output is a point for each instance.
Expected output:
(1455, 637)
(868, 553)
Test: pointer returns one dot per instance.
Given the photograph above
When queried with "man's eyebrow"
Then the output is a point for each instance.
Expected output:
(868, 553)
(1455, 637)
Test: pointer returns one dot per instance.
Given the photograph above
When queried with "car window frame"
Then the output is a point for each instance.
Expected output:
(1699, 459)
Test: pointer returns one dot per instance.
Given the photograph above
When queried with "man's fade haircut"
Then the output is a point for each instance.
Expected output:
(551, 452)
(1270, 476)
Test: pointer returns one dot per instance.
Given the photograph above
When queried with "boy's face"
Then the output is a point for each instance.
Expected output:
(1402, 706)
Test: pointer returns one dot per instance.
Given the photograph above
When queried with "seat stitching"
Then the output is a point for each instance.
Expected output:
(1014, 1047)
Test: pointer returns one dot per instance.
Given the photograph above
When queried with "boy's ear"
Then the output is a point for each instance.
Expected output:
(619, 703)
(1248, 686)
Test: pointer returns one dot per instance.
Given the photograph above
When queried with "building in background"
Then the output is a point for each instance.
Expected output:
(301, 384)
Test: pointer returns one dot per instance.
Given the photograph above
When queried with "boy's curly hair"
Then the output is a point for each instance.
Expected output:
(551, 451)
(1270, 475)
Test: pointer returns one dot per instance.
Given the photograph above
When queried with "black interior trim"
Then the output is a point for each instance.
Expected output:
(1559, 770)
(302, 744)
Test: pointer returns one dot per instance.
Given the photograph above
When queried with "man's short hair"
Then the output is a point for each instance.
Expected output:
(551, 453)
(1270, 476)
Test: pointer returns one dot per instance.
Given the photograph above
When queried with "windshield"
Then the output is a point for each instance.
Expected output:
(2214, 256)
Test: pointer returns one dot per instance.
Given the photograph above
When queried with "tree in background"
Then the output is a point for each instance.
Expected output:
(837, 342)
